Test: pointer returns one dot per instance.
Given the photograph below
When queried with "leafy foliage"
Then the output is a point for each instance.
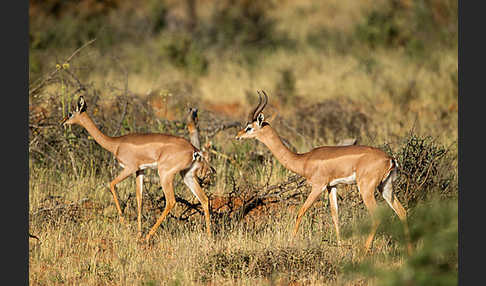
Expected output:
(180, 50)
(241, 23)
(434, 232)
(414, 25)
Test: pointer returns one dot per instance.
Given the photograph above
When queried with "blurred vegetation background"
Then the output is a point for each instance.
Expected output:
(405, 50)
(384, 72)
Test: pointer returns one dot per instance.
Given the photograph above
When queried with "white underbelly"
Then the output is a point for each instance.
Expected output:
(148, 165)
(346, 180)
(142, 166)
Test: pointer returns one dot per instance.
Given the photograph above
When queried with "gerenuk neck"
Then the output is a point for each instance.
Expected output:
(105, 141)
(290, 160)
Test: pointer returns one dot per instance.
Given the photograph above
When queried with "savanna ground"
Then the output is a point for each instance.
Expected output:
(383, 72)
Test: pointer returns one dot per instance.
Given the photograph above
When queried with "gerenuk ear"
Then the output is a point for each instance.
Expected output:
(260, 119)
(81, 104)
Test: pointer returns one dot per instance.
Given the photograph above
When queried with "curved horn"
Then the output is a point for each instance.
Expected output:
(262, 106)
(251, 116)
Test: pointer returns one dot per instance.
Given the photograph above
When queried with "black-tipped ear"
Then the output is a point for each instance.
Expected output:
(260, 119)
(193, 114)
(81, 104)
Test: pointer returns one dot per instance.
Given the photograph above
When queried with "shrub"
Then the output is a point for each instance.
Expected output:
(423, 23)
(157, 14)
(379, 29)
(245, 28)
(434, 232)
(180, 50)
(242, 23)
(426, 168)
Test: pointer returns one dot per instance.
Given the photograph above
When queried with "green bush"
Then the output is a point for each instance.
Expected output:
(285, 89)
(77, 23)
(245, 28)
(69, 31)
(157, 14)
(184, 53)
(242, 23)
(379, 29)
(434, 234)
(425, 23)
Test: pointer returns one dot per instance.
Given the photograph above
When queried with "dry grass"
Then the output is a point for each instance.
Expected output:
(82, 243)
(380, 95)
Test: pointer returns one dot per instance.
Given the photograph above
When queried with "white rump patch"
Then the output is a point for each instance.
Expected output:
(149, 165)
(346, 180)
(189, 178)
(195, 155)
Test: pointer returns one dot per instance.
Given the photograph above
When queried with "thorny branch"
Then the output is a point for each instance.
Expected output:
(275, 191)
(282, 192)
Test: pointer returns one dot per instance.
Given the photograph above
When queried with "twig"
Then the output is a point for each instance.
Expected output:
(428, 171)
(44, 126)
(33, 236)
(189, 205)
(54, 72)
(260, 196)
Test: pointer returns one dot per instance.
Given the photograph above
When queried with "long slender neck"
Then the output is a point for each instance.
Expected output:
(105, 141)
(193, 134)
(290, 160)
